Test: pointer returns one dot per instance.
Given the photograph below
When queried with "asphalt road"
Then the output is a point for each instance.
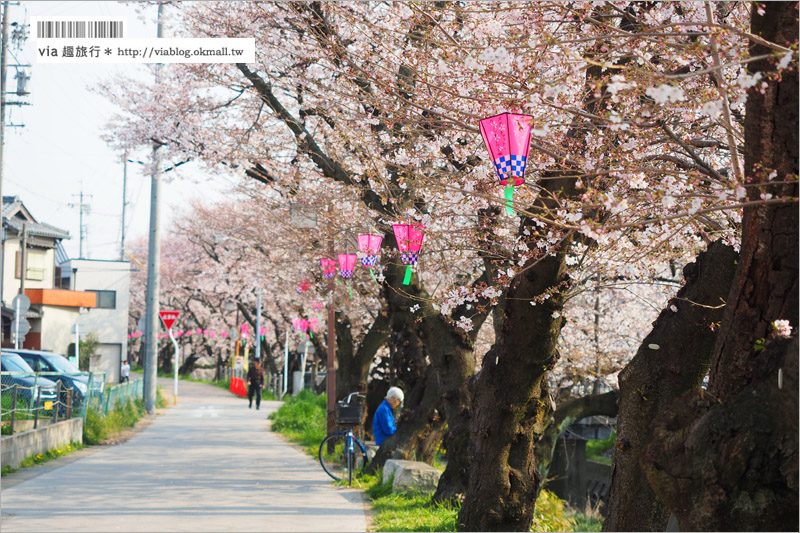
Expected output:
(208, 464)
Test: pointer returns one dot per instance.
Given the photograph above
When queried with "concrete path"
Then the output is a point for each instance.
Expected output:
(209, 464)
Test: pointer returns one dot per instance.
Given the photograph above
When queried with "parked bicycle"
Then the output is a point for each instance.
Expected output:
(341, 453)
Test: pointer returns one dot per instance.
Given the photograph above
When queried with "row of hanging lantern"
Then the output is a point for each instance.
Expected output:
(507, 137)
(409, 239)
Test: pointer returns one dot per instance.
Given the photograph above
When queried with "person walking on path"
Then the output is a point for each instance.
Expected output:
(125, 373)
(255, 382)
(383, 425)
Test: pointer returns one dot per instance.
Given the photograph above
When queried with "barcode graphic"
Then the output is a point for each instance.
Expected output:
(79, 29)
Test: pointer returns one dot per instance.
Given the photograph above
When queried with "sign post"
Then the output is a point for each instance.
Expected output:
(169, 318)
(21, 305)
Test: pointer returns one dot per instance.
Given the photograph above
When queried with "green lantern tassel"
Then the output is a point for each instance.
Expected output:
(339, 281)
(311, 333)
(509, 199)
(350, 288)
(407, 279)
(371, 273)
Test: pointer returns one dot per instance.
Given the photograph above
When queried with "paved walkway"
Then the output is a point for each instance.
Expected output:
(209, 464)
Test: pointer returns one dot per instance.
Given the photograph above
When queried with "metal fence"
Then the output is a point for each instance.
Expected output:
(116, 396)
(55, 396)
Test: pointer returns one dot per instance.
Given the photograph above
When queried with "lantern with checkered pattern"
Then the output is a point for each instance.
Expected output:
(328, 268)
(369, 245)
(347, 263)
(508, 137)
(304, 286)
(409, 240)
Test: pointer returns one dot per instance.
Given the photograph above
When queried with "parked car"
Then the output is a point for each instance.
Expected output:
(63, 369)
(17, 372)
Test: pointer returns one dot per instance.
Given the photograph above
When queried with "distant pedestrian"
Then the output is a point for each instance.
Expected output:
(255, 382)
(383, 425)
(125, 373)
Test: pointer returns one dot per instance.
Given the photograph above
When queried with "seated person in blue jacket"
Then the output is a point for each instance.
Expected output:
(383, 425)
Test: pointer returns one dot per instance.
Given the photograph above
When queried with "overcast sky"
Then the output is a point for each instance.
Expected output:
(60, 150)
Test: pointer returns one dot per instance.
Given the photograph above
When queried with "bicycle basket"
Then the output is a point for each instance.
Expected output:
(349, 413)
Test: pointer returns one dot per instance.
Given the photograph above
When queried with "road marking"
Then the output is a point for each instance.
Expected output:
(206, 411)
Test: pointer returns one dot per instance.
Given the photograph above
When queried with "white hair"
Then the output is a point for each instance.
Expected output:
(395, 392)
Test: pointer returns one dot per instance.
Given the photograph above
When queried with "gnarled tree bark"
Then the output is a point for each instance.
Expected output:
(673, 358)
(727, 459)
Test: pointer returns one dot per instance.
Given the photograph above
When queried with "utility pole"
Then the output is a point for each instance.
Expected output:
(83, 207)
(153, 270)
(124, 204)
(23, 258)
(3, 67)
(258, 325)
(19, 36)
(331, 369)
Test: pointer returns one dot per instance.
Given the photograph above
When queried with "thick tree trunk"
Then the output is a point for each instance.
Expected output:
(450, 353)
(418, 430)
(511, 405)
(353, 362)
(733, 466)
(727, 459)
(766, 285)
(672, 359)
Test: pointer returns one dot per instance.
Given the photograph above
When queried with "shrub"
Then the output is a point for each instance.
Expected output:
(302, 419)
(97, 428)
(94, 427)
(550, 515)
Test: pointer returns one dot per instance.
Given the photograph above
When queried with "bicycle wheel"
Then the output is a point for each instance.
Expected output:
(336, 461)
(333, 455)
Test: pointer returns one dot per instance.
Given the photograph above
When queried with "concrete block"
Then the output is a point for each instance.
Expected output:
(18, 447)
(411, 475)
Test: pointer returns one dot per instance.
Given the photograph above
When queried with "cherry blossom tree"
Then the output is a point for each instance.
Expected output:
(636, 164)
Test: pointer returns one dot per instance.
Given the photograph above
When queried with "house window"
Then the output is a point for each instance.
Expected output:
(36, 262)
(105, 299)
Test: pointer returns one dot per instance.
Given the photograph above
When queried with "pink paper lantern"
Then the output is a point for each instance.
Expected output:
(369, 245)
(317, 305)
(303, 286)
(409, 240)
(205, 332)
(508, 138)
(224, 334)
(347, 262)
(328, 268)
(199, 331)
(213, 335)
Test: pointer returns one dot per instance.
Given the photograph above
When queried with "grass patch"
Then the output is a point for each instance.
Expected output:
(411, 511)
(589, 519)
(42, 458)
(97, 428)
(302, 419)
(596, 448)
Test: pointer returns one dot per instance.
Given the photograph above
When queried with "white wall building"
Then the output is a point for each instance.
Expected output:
(108, 320)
